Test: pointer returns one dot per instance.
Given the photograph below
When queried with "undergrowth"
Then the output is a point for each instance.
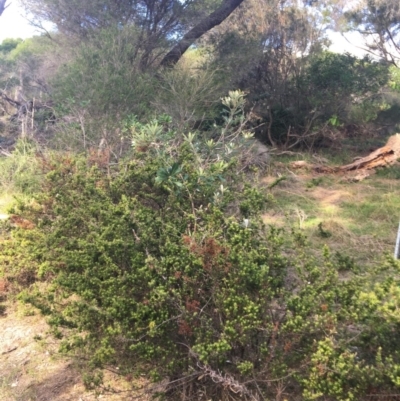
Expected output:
(19, 170)
(162, 266)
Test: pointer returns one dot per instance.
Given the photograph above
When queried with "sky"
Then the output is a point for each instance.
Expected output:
(14, 25)
(351, 43)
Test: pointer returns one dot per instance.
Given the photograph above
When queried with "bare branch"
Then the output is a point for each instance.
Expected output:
(13, 102)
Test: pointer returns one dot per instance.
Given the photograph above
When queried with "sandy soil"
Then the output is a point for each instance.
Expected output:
(31, 370)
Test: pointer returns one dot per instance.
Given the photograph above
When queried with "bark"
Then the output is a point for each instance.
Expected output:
(362, 166)
(381, 157)
(3, 6)
(207, 23)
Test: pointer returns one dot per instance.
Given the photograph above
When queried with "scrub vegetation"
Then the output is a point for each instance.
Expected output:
(157, 234)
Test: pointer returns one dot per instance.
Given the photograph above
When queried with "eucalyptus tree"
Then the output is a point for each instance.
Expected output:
(379, 22)
(171, 24)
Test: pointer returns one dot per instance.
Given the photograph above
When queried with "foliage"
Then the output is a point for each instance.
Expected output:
(188, 95)
(379, 22)
(76, 18)
(110, 69)
(19, 171)
(263, 49)
(297, 90)
(157, 22)
(99, 86)
(331, 91)
(24, 66)
(9, 44)
(394, 81)
(336, 81)
(161, 266)
(264, 43)
(25, 70)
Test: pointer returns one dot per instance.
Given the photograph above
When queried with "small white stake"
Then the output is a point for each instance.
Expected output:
(397, 249)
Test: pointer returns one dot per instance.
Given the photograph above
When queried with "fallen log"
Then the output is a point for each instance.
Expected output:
(382, 157)
(363, 166)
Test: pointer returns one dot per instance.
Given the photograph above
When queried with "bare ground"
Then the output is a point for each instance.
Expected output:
(31, 370)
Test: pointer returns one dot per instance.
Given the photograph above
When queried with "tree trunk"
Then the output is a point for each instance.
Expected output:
(3, 6)
(207, 23)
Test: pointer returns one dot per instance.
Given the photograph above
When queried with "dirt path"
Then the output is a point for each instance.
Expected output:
(31, 370)
(28, 370)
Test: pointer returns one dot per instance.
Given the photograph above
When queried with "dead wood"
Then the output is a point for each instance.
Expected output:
(382, 157)
(363, 166)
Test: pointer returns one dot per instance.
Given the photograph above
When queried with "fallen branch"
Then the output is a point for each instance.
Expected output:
(381, 157)
(363, 166)
(8, 351)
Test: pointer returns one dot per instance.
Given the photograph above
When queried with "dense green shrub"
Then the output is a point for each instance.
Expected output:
(336, 83)
(162, 266)
(312, 104)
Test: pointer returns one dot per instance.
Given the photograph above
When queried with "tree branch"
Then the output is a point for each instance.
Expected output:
(13, 102)
(207, 23)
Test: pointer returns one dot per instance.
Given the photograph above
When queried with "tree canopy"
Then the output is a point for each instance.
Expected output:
(157, 22)
(379, 22)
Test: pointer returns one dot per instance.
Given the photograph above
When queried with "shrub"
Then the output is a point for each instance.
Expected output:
(101, 85)
(19, 171)
(320, 97)
(188, 96)
(162, 266)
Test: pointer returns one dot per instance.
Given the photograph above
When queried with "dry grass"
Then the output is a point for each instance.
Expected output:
(357, 219)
